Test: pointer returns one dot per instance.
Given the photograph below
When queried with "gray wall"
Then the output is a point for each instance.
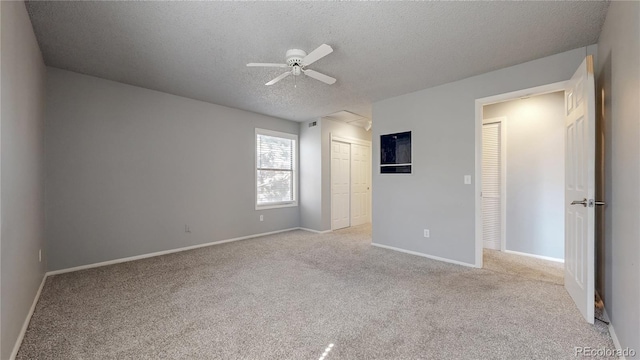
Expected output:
(127, 168)
(618, 75)
(310, 176)
(442, 119)
(336, 128)
(22, 192)
(535, 173)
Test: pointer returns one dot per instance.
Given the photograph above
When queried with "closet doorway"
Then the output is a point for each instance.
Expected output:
(350, 182)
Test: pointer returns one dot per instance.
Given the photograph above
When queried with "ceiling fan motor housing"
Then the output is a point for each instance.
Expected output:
(295, 56)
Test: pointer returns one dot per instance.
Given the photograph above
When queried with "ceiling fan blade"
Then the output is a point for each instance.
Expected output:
(319, 76)
(278, 78)
(317, 54)
(268, 65)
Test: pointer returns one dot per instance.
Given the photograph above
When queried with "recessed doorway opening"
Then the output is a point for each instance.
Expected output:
(535, 193)
(523, 186)
(523, 176)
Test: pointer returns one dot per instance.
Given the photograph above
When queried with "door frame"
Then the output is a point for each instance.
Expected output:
(503, 177)
(480, 103)
(349, 140)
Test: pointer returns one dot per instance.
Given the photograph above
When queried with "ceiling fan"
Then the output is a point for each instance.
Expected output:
(297, 62)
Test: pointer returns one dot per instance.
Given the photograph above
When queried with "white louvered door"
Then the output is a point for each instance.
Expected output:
(492, 185)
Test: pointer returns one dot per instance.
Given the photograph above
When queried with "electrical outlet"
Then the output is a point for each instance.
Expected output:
(261, 217)
(40, 255)
(467, 179)
(426, 233)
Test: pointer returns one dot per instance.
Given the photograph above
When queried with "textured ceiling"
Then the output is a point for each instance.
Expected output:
(383, 49)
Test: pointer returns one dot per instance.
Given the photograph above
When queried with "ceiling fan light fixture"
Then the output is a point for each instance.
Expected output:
(297, 60)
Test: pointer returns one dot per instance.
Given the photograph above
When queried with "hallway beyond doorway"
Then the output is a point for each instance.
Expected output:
(524, 266)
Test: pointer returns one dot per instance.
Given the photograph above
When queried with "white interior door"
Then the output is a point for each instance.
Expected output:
(360, 158)
(579, 267)
(340, 184)
(492, 185)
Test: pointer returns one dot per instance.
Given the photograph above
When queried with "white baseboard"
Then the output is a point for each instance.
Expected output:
(159, 253)
(535, 256)
(25, 325)
(612, 332)
(315, 231)
(424, 255)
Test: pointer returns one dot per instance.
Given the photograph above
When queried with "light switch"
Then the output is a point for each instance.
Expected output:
(467, 179)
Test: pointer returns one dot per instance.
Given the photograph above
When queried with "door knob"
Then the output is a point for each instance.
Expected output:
(598, 203)
(582, 202)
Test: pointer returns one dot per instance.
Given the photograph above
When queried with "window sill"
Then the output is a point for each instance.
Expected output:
(276, 206)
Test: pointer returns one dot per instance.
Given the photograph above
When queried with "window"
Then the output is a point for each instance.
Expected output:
(276, 174)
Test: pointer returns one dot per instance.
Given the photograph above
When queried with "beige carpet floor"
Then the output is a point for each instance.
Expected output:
(524, 266)
(291, 295)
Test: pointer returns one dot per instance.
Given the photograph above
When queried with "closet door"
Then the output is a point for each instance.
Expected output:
(360, 166)
(340, 185)
(492, 185)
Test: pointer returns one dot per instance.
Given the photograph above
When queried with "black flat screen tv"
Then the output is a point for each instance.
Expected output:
(395, 153)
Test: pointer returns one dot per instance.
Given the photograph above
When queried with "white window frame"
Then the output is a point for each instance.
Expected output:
(283, 135)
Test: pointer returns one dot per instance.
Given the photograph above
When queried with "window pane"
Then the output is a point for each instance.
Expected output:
(275, 152)
(274, 186)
